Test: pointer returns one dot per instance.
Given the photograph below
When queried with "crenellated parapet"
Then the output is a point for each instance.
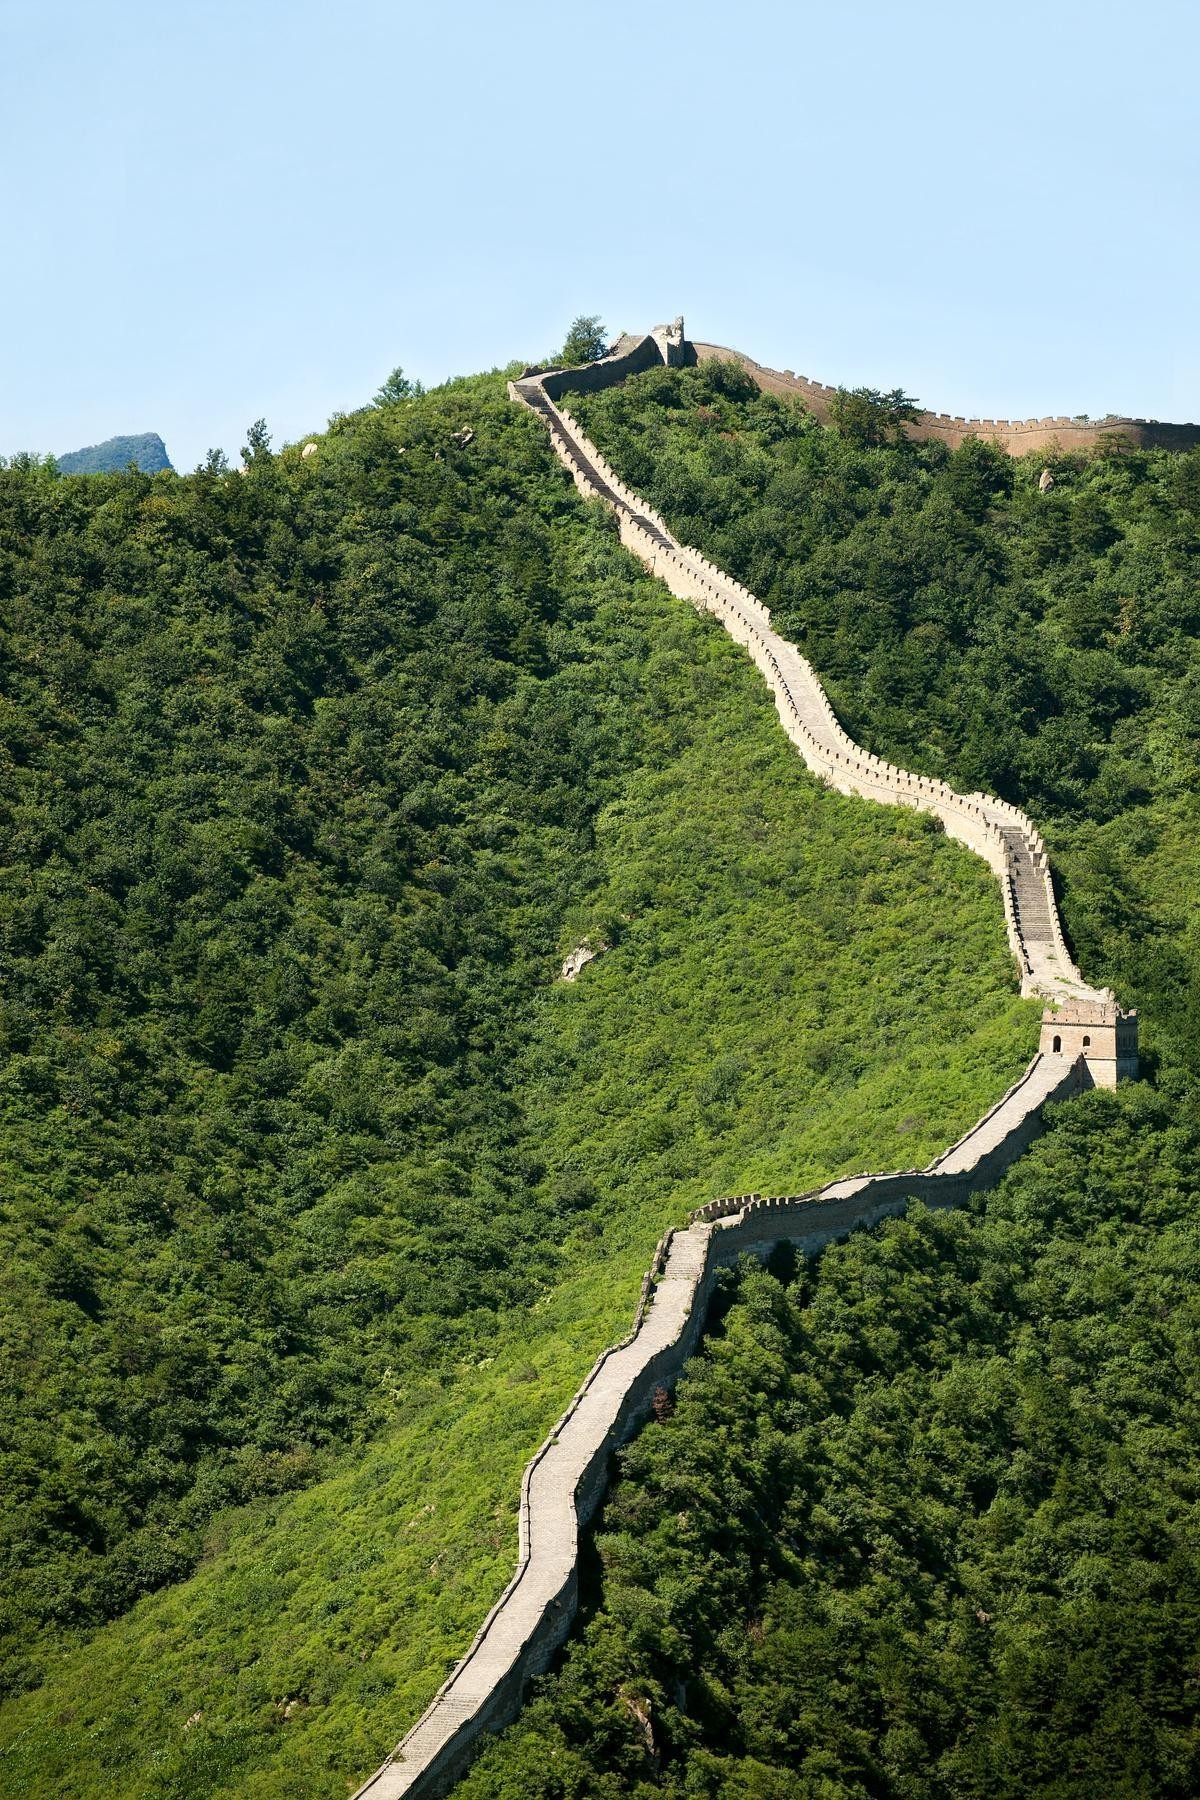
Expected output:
(1001, 833)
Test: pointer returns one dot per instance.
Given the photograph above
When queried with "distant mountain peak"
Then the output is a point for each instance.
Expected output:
(145, 449)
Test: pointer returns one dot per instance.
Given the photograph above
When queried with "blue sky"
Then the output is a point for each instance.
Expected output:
(213, 212)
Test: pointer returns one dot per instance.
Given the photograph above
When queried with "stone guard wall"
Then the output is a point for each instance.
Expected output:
(565, 1482)
(808, 718)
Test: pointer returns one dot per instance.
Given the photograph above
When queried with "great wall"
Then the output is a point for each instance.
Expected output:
(1086, 1041)
(1016, 435)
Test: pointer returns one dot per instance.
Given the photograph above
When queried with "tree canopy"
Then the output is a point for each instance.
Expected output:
(397, 387)
(870, 418)
(585, 341)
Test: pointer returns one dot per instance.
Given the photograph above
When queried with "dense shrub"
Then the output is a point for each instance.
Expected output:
(300, 773)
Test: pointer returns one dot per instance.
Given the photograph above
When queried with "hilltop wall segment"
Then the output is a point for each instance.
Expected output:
(1086, 1041)
(1017, 436)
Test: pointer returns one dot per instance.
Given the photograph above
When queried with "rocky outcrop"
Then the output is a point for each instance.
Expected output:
(578, 960)
(564, 1483)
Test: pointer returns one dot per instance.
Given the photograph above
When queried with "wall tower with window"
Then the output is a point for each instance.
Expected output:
(1102, 1034)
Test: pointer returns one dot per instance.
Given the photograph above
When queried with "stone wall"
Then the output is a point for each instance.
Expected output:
(565, 1482)
(1016, 435)
(999, 832)
(630, 356)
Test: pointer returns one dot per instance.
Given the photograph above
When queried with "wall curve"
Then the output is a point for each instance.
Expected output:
(565, 1481)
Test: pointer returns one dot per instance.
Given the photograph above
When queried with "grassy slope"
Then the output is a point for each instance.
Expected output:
(803, 985)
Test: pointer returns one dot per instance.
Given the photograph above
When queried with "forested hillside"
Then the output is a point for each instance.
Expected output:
(925, 1520)
(293, 811)
(320, 1194)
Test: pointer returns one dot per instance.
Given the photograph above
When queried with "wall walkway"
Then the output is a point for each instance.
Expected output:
(565, 1482)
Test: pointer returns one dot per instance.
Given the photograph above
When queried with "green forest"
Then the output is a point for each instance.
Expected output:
(321, 1192)
(925, 1519)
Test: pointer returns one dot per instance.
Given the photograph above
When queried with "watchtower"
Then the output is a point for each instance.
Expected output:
(1097, 1030)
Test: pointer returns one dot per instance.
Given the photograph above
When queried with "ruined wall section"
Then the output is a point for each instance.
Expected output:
(629, 356)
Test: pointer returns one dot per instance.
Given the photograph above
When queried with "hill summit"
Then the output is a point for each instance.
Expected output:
(145, 449)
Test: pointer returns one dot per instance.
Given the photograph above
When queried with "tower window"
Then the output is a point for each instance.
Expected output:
(1057, 1045)
(1086, 1042)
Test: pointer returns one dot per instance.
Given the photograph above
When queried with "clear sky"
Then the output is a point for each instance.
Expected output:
(216, 211)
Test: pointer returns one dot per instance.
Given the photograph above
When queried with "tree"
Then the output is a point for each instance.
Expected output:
(258, 441)
(871, 418)
(397, 387)
(585, 341)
